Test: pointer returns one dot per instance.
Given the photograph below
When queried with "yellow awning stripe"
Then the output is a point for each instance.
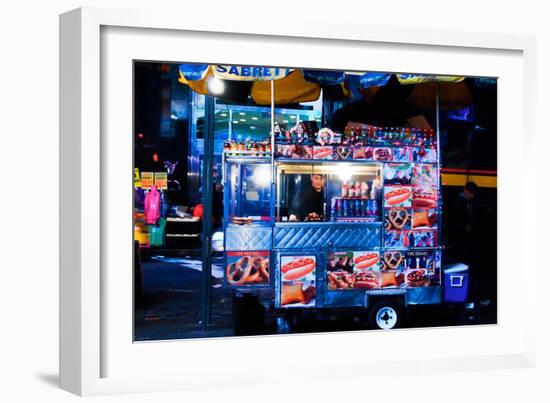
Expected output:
(483, 181)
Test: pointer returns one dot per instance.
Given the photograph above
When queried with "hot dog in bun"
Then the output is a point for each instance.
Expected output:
(322, 152)
(397, 196)
(366, 279)
(424, 199)
(365, 261)
(297, 268)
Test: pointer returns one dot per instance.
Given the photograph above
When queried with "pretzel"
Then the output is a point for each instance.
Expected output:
(255, 271)
(236, 274)
(393, 259)
(398, 217)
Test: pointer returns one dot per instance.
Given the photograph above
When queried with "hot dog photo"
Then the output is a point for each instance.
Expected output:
(298, 281)
(322, 152)
(367, 270)
(424, 197)
(397, 196)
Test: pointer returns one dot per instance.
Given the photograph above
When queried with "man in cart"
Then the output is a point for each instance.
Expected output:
(308, 204)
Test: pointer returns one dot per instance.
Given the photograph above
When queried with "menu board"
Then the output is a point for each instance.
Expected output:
(353, 270)
(298, 281)
(247, 268)
(387, 269)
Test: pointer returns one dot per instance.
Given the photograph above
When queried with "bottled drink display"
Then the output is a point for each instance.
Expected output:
(247, 148)
(354, 203)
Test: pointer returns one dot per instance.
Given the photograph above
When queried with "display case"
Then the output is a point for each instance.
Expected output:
(328, 191)
(248, 190)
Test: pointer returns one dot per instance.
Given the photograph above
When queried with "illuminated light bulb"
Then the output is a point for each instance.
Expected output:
(215, 86)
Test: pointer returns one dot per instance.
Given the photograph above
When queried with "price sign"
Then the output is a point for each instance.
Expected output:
(137, 180)
(161, 180)
(146, 180)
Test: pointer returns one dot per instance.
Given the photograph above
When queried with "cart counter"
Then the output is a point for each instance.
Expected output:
(326, 235)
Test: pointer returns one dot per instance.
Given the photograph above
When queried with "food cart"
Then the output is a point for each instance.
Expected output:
(372, 235)
(316, 220)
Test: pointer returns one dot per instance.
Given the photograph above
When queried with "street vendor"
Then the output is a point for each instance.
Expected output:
(308, 204)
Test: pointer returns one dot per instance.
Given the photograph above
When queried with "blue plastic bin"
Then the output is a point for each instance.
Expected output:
(455, 283)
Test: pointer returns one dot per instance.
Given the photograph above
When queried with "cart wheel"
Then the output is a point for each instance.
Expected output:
(385, 315)
(283, 324)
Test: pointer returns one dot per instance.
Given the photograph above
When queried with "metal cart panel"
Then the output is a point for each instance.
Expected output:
(326, 235)
(248, 238)
(423, 295)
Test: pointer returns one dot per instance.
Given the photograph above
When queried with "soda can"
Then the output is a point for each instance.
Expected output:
(333, 208)
(338, 207)
(345, 208)
(351, 211)
(365, 208)
(357, 207)
(374, 208)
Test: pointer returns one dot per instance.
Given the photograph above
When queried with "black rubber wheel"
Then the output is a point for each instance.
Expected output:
(386, 315)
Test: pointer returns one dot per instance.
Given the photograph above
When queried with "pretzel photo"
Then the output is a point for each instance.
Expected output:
(399, 217)
(392, 260)
(237, 273)
(248, 270)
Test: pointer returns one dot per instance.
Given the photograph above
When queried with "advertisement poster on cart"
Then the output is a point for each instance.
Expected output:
(423, 268)
(247, 268)
(353, 270)
(298, 281)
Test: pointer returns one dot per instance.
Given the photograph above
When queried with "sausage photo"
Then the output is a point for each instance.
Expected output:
(297, 269)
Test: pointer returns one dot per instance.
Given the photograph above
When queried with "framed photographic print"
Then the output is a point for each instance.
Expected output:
(238, 196)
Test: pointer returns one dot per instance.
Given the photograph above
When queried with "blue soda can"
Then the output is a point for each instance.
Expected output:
(345, 208)
(364, 208)
(374, 208)
(357, 207)
(351, 211)
(333, 209)
(369, 207)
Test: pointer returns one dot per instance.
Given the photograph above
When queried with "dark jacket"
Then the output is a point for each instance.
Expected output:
(307, 201)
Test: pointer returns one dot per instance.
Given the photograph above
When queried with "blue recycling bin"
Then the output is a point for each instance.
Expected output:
(455, 283)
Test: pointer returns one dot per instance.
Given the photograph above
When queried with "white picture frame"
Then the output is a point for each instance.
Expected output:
(96, 354)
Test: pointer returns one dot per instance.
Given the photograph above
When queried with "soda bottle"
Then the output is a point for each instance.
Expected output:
(345, 189)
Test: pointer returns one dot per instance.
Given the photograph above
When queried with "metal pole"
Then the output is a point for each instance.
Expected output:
(230, 125)
(208, 162)
(272, 132)
(439, 195)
